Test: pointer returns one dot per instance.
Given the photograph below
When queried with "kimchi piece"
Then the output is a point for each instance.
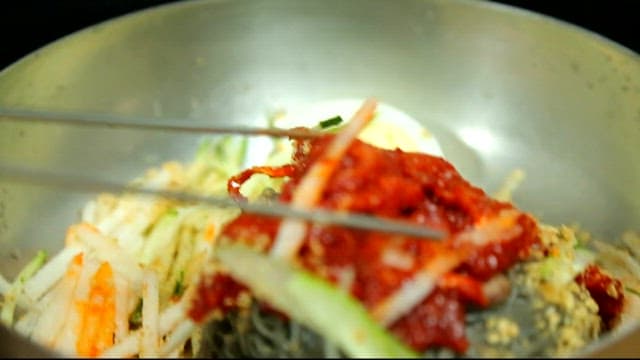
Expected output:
(484, 238)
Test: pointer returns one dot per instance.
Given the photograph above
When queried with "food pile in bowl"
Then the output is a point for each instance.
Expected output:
(146, 276)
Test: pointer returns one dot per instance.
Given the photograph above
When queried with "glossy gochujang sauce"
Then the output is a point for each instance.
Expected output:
(414, 187)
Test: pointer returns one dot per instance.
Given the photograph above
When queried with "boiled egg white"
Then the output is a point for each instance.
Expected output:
(390, 128)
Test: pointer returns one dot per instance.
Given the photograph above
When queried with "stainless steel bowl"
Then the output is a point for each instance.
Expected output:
(501, 88)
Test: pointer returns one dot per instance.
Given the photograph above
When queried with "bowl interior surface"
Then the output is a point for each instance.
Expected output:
(500, 88)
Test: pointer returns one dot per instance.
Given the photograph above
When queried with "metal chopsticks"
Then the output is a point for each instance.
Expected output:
(143, 123)
(277, 209)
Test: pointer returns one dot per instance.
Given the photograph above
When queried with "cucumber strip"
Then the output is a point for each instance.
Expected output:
(312, 301)
(160, 246)
(11, 297)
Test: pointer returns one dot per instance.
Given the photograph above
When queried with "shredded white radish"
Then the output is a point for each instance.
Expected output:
(128, 221)
(510, 184)
(346, 277)
(178, 337)
(27, 323)
(67, 338)
(4, 285)
(414, 290)
(14, 293)
(196, 341)
(160, 179)
(397, 259)
(58, 301)
(175, 354)
(620, 257)
(89, 212)
(101, 207)
(110, 223)
(168, 320)
(106, 250)
(149, 341)
(171, 317)
(130, 235)
(164, 239)
(54, 313)
(308, 192)
(404, 299)
(423, 282)
(124, 302)
(632, 240)
(497, 289)
(89, 268)
(21, 299)
(502, 226)
(127, 347)
(50, 273)
(49, 319)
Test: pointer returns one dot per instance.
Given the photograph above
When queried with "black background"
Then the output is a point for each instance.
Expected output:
(30, 24)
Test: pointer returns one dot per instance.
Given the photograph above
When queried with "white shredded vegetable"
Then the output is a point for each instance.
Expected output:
(119, 231)
(632, 241)
(414, 290)
(4, 285)
(27, 323)
(54, 307)
(619, 257)
(51, 272)
(128, 347)
(511, 183)
(22, 301)
(397, 259)
(105, 249)
(14, 292)
(124, 303)
(150, 308)
(499, 227)
(291, 232)
(422, 283)
(181, 334)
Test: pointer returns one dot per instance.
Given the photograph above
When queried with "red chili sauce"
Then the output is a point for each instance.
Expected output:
(606, 291)
(414, 187)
